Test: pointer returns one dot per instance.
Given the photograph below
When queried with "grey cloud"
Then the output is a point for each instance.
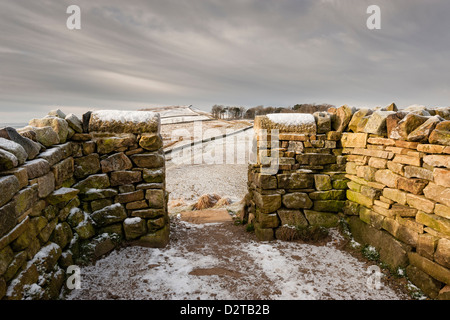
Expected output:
(137, 53)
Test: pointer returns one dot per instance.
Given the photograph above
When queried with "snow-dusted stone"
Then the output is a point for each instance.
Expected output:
(31, 148)
(115, 121)
(59, 125)
(377, 123)
(109, 215)
(57, 113)
(16, 149)
(9, 185)
(134, 228)
(62, 195)
(287, 123)
(74, 123)
(44, 135)
(418, 109)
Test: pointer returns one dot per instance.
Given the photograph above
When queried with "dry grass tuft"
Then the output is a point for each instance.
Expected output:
(206, 201)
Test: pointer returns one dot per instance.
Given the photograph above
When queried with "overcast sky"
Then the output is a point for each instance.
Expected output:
(133, 54)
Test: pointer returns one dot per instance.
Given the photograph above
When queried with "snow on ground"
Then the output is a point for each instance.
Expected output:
(213, 262)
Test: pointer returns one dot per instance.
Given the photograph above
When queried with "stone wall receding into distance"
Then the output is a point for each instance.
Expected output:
(71, 190)
(384, 173)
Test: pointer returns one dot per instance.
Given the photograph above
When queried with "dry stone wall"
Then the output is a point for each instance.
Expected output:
(386, 173)
(72, 190)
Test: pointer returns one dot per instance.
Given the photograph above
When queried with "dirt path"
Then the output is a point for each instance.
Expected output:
(222, 261)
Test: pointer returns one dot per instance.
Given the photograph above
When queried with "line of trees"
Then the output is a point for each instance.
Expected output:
(229, 113)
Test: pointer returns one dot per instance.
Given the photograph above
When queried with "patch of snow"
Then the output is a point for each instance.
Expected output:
(125, 116)
(131, 221)
(292, 119)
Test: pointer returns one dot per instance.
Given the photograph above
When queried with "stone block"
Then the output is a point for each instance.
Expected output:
(322, 182)
(322, 219)
(119, 178)
(297, 200)
(435, 270)
(116, 162)
(414, 186)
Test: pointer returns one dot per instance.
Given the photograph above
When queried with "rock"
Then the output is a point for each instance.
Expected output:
(58, 125)
(44, 135)
(119, 178)
(74, 123)
(443, 112)
(414, 186)
(98, 181)
(86, 166)
(442, 177)
(435, 222)
(116, 162)
(156, 198)
(156, 224)
(31, 148)
(86, 118)
(267, 203)
(129, 197)
(134, 228)
(109, 215)
(57, 153)
(441, 135)
(110, 144)
(392, 107)
(6, 256)
(407, 125)
(151, 141)
(442, 254)
(7, 218)
(149, 161)
(292, 218)
(114, 121)
(148, 213)
(343, 117)
(357, 117)
(377, 123)
(62, 195)
(9, 185)
(85, 230)
(323, 122)
(158, 239)
(36, 168)
(264, 234)
(62, 235)
(287, 123)
(57, 113)
(295, 181)
(419, 110)
(322, 182)
(7, 160)
(441, 161)
(297, 200)
(47, 257)
(316, 159)
(387, 177)
(423, 281)
(322, 219)
(158, 176)
(422, 133)
(329, 205)
(63, 171)
(354, 140)
(96, 194)
(14, 148)
(46, 185)
(429, 267)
